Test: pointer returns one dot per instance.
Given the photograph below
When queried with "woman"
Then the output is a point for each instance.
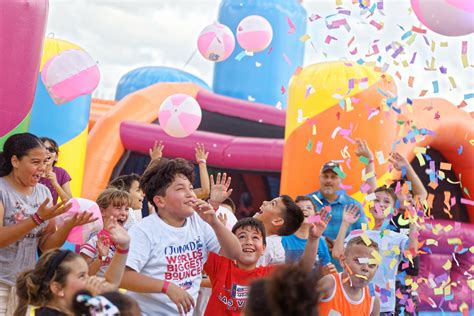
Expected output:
(26, 212)
(55, 178)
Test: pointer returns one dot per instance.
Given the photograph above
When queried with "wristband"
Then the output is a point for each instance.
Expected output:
(121, 251)
(165, 286)
(214, 208)
(202, 161)
(37, 219)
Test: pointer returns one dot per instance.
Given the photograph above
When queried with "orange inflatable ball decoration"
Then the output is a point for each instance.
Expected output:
(330, 105)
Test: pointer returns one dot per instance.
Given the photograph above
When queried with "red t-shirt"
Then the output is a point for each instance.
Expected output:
(229, 285)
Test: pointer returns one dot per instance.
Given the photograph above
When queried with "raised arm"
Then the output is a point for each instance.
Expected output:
(319, 224)
(399, 162)
(120, 237)
(64, 191)
(363, 150)
(201, 159)
(350, 216)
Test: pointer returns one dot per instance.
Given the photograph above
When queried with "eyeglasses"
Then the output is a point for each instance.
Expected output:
(50, 149)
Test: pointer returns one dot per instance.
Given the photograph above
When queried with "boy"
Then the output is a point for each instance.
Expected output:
(281, 217)
(230, 280)
(393, 246)
(168, 249)
(294, 244)
(347, 293)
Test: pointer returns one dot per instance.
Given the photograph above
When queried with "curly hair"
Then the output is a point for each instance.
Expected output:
(33, 285)
(160, 174)
(290, 290)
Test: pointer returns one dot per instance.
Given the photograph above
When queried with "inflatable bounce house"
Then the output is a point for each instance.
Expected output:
(271, 124)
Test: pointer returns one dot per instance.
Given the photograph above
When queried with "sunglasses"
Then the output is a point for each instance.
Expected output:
(51, 149)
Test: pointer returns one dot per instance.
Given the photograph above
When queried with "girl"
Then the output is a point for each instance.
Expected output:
(25, 212)
(59, 274)
(55, 178)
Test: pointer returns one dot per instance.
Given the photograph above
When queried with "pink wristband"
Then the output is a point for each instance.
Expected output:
(165, 286)
(202, 161)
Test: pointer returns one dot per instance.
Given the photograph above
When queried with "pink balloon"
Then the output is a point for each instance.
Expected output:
(216, 42)
(81, 234)
(446, 17)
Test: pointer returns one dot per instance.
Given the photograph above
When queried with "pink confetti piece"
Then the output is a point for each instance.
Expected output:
(354, 51)
(467, 202)
(377, 25)
(464, 47)
(365, 187)
(288, 61)
(283, 90)
(350, 140)
(291, 25)
(314, 17)
(329, 38)
(319, 147)
(418, 30)
(314, 219)
(350, 42)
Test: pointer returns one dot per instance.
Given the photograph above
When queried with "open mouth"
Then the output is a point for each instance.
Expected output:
(121, 222)
(247, 250)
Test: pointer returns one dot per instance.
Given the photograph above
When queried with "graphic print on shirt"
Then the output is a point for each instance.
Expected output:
(184, 262)
(236, 298)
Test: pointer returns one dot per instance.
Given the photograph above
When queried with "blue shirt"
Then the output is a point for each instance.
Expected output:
(294, 248)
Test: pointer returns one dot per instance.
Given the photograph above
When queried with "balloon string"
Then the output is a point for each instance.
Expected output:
(189, 59)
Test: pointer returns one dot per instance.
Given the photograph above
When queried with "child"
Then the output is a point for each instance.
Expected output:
(168, 250)
(99, 251)
(230, 279)
(57, 276)
(393, 246)
(109, 303)
(131, 184)
(281, 217)
(347, 292)
(288, 291)
(294, 244)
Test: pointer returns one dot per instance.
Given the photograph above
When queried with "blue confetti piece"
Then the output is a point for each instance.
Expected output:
(435, 87)
(468, 96)
(342, 104)
(241, 55)
(406, 35)
(404, 172)
(379, 59)
(360, 61)
(460, 149)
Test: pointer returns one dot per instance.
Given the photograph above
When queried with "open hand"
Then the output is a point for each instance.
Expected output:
(183, 300)
(351, 214)
(398, 161)
(46, 212)
(205, 211)
(117, 233)
(98, 285)
(320, 224)
(157, 151)
(80, 219)
(220, 189)
(201, 153)
(363, 149)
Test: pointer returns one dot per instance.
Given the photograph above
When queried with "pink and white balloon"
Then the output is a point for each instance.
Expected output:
(70, 74)
(446, 17)
(216, 42)
(180, 115)
(254, 33)
(81, 234)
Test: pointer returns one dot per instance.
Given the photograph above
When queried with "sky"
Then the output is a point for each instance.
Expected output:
(122, 35)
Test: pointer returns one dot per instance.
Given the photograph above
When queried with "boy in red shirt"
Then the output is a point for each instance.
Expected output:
(230, 279)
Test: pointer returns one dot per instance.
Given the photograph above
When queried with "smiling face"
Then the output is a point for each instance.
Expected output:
(382, 201)
(177, 203)
(119, 212)
(251, 241)
(51, 152)
(30, 168)
(329, 183)
(75, 280)
(357, 258)
(136, 196)
(270, 214)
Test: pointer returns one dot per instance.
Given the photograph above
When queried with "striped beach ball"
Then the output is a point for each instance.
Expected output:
(180, 115)
(216, 42)
(254, 33)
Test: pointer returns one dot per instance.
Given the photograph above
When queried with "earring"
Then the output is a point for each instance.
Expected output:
(61, 294)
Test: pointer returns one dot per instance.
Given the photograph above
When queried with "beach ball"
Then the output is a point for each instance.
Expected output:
(254, 33)
(81, 234)
(70, 74)
(446, 17)
(216, 42)
(180, 115)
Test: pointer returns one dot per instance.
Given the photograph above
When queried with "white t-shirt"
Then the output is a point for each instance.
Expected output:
(231, 219)
(134, 216)
(391, 248)
(90, 250)
(274, 252)
(175, 254)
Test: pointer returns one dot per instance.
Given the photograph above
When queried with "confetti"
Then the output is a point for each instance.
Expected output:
(291, 26)
(319, 147)
(305, 37)
(329, 38)
(435, 86)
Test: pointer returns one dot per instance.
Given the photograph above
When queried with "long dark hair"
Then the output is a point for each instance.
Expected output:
(17, 145)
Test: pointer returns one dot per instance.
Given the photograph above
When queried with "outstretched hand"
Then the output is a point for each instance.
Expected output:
(398, 161)
(363, 149)
(80, 219)
(117, 233)
(157, 151)
(351, 214)
(220, 189)
(46, 212)
(205, 211)
(201, 153)
(320, 223)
